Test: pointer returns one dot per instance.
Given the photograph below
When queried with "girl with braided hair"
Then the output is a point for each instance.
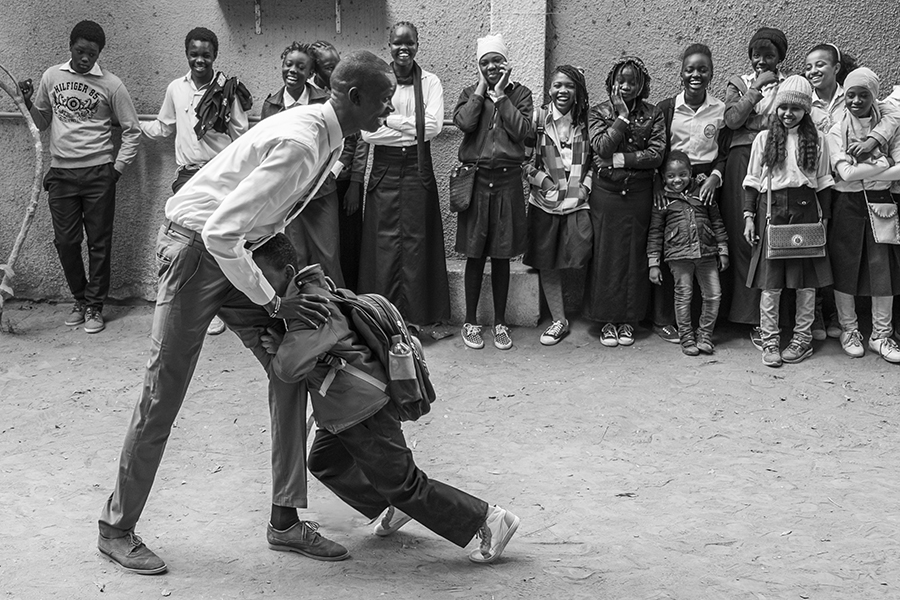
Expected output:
(628, 140)
(559, 224)
(790, 161)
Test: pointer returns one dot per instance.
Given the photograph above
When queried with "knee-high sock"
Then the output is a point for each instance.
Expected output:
(500, 287)
(472, 279)
(551, 281)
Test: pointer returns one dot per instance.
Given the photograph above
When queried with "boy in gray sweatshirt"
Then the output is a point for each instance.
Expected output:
(79, 102)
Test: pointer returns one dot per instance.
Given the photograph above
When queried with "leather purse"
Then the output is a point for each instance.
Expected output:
(885, 220)
(462, 182)
(794, 240)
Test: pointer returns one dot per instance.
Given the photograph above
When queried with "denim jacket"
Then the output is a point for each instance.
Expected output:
(685, 229)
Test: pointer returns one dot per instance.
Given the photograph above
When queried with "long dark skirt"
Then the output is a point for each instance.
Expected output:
(494, 224)
(791, 205)
(315, 234)
(739, 303)
(351, 233)
(617, 289)
(402, 255)
(862, 267)
(558, 241)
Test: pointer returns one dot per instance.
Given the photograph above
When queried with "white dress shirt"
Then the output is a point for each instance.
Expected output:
(696, 133)
(400, 127)
(178, 115)
(288, 101)
(826, 114)
(562, 129)
(256, 186)
(788, 175)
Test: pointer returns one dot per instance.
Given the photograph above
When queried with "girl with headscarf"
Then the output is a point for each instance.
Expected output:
(495, 116)
(628, 140)
(402, 255)
(862, 266)
(559, 222)
(749, 101)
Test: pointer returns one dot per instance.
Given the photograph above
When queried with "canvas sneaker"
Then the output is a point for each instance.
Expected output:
(471, 335)
(796, 351)
(76, 317)
(495, 533)
(852, 343)
(887, 348)
(93, 320)
(390, 521)
(502, 340)
(668, 333)
(690, 348)
(705, 345)
(216, 326)
(625, 334)
(556, 332)
(608, 336)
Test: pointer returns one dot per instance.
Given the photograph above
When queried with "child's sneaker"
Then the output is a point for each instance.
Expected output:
(705, 346)
(756, 338)
(495, 533)
(668, 333)
(501, 337)
(93, 320)
(557, 331)
(833, 330)
(625, 334)
(887, 348)
(771, 355)
(608, 336)
(819, 331)
(690, 348)
(471, 335)
(76, 317)
(797, 352)
(851, 342)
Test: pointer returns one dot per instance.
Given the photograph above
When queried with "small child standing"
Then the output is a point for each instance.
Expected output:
(791, 159)
(691, 235)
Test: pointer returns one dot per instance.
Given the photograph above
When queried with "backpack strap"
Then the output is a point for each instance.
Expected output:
(336, 363)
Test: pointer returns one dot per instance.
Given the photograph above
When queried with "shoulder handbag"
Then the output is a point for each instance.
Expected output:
(794, 240)
(884, 219)
(462, 182)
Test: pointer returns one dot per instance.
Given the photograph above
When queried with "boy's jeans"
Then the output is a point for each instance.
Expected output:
(707, 272)
(882, 309)
(769, 302)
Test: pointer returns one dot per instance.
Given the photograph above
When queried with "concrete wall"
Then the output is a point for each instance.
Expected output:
(145, 41)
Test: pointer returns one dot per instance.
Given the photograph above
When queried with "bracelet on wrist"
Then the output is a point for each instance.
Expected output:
(276, 307)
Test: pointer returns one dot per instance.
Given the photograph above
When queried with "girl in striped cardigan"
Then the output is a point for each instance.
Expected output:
(559, 224)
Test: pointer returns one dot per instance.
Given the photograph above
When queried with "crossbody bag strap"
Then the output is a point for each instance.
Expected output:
(768, 195)
(336, 364)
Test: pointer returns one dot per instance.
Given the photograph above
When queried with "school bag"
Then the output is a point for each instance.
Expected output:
(384, 331)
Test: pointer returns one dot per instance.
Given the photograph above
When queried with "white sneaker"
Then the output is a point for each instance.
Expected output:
(557, 331)
(851, 342)
(390, 521)
(216, 326)
(887, 348)
(495, 533)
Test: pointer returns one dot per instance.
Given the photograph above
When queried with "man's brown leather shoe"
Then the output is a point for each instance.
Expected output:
(304, 539)
(130, 553)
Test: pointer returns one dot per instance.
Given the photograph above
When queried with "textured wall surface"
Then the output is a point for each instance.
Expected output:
(145, 48)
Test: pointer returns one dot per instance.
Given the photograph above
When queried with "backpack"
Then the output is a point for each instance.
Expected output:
(382, 328)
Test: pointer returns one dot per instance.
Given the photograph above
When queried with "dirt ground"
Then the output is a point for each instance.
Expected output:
(638, 473)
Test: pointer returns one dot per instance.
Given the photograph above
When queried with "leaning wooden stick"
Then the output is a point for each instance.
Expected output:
(6, 269)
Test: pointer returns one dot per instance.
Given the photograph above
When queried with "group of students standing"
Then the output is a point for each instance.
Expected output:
(605, 192)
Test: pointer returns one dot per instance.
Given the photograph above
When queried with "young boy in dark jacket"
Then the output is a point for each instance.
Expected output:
(691, 237)
(359, 451)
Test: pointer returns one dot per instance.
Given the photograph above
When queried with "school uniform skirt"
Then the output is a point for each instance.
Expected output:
(739, 303)
(862, 267)
(558, 241)
(402, 256)
(617, 289)
(791, 205)
(494, 224)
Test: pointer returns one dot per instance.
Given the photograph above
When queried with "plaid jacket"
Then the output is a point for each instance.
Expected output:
(548, 164)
